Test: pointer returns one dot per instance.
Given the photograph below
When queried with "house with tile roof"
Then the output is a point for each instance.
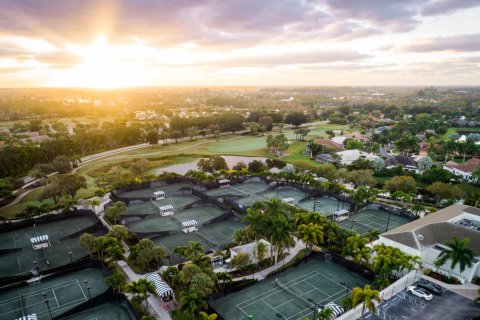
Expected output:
(463, 170)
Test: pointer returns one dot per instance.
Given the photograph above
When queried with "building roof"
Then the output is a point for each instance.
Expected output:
(400, 160)
(329, 144)
(435, 228)
(468, 166)
(352, 155)
(355, 135)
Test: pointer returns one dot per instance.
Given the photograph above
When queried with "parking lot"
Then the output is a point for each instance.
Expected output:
(449, 305)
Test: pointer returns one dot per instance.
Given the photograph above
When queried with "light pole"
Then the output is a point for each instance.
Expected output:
(70, 254)
(48, 305)
(88, 289)
(352, 222)
(388, 221)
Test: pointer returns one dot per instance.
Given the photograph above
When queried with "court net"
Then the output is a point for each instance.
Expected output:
(307, 303)
(21, 303)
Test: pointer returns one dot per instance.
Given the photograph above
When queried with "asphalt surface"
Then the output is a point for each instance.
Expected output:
(448, 306)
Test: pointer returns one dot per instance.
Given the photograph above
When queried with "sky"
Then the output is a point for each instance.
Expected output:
(110, 44)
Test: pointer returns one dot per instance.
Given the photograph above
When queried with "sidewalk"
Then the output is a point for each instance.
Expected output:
(299, 245)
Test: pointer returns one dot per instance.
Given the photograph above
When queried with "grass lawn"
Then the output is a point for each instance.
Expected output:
(297, 155)
(30, 199)
(382, 180)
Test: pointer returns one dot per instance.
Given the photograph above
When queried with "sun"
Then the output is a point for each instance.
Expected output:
(103, 66)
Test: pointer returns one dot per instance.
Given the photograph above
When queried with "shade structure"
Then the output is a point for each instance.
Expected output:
(40, 242)
(341, 212)
(336, 309)
(166, 208)
(189, 223)
(224, 181)
(159, 195)
(161, 287)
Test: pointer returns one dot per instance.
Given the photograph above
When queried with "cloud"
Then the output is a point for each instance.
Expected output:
(458, 43)
(437, 7)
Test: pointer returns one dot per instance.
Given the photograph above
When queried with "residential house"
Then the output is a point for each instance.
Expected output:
(408, 163)
(380, 130)
(325, 158)
(249, 248)
(423, 148)
(328, 144)
(463, 170)
(349, 156)
(427, 237)
(357, 136)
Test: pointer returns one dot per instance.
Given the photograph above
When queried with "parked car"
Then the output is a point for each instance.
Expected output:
(430, 287)
(420, 292)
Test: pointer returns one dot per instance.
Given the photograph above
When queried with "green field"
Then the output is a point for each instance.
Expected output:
(184, 152)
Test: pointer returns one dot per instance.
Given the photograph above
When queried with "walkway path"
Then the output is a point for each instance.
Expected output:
(299, 245)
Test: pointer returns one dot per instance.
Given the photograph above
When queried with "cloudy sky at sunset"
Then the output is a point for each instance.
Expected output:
(239, 42)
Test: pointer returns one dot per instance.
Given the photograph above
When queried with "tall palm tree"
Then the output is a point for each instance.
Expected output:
(117, 280)
(191, 302)
(146, 288)
(367, 295)
(193, 249)
(311, 234)
(280, 234)
(93, 204)
(458, 252)
(372, 235)
(256, 220)
(115, 253)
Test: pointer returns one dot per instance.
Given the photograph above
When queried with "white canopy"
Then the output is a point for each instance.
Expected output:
(166, 208)
(189, 223)
(161, 287)
(341, 212)
(337, 310)
(159, 193)
(289, 200)
(223, 181)
(39, 239)
(32, 316)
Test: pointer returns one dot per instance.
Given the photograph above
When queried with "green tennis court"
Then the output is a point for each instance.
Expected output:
(373, 219)
(151, 207)
(213, 236)
(106, 311)
(325, 205)
(154, 223)
(292, 294)
(63, 293)
(22, 257)
(202, 213)
(169, 190)
(285, 192)
(242, 189)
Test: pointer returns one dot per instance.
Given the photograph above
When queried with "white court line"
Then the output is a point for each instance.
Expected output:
(276, 289)
(55, 296)
(81, 289)
(298, 296)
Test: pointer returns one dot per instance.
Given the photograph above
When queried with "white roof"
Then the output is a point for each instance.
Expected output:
(339, 140)
(32, 316)
(348, 156)
(223, 181)
(39, 239)
(189, 223)
(165, 208)
(161, 287)
(158, 192)
(289, 199)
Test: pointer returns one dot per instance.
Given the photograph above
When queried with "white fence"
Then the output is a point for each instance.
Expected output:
(385, 294)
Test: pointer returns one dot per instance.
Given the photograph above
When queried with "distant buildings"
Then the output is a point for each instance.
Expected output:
(349, 156)
(408, 163)
(463, 170)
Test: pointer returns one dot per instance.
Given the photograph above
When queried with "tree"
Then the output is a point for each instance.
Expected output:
(425, 164)
(61, 164)
(378, 164)
(145, 254)
(152, 137)
(295, 118)
(363, 195)
(241, 260)
(231, 121)
(89, 241)
(175, 135)
(280, 234)
(93, 203)
(256, 221)
(239, 166)
(372, 235)
(256, 166)
(266, 123)
(367, 295)
(277, 144)
(325, 314)
(70, 183)
(192, 302)
(119, 232)
(311, 234)
(404, 184)
(458, 252)
(117, 280)
(114, 212)
(212, 164)
(443, 191)
(6, 188)
(205, 316)
(351, 144)
(437, 174)
(52, 191)
(139, 167)
(362, 178)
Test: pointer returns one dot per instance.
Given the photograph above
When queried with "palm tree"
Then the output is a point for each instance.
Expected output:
(311, 234)
(117, 280)
(93, 203)
(146, 287)
(372, 235)
(367, 295)
(115, 253)
(458, 252)
(280, 234)
(255, 219)
(191, 302)
(325, 314)
(193, 249)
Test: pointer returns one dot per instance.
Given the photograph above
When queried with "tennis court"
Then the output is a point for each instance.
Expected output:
(21, 258)
(169, 190)
(292, 294)
(242, 189)
(202, 213)
(151, 207)
(285, 192)
(154, 223)
(325, 205)
(106, 311)
(213, 236)
(373, 219)
(63, 293)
